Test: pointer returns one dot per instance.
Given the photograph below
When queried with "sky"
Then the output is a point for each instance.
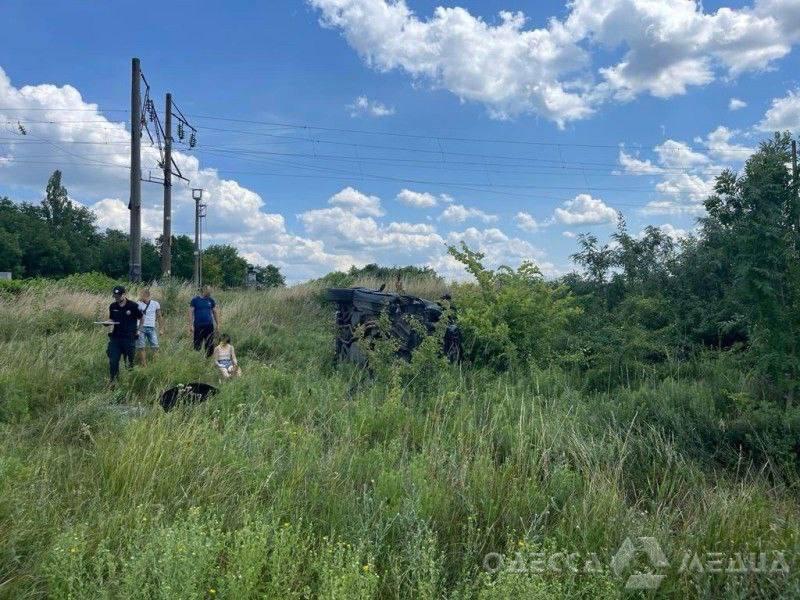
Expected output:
(333, 133)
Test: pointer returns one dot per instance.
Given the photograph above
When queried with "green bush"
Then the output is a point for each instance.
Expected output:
(511, 316)
(96, 283)
(12, 287)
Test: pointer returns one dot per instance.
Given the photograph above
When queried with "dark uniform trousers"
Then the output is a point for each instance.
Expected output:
(204, 336)
(117, 348)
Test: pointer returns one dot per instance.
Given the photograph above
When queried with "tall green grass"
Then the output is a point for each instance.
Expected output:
(308, 479)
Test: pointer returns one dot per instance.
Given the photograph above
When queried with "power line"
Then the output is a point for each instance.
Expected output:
(456, 166)
(467, 185)
(559, 165)
(429, 137)
(44, 141)
(474, 187)
(436, 152)
(554, 167)
(396, 134)
(54, 108)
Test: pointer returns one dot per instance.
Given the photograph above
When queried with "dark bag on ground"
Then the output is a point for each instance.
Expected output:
(189, 393)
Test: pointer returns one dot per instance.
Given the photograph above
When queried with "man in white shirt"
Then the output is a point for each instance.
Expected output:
(151, 317)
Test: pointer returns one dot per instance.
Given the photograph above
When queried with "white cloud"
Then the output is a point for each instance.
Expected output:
(548, 71)
(569, 234)
(720, 147)
(634, 166)
(346, 228)
(498, 249)
(112, 213)
(417, 199)
(686, 185)
(458, 213)
(672, 207)
(675, 233)
(357, 203)
(672, 45)
(528, 223)
(509, 69)
(687, 175)
(736, 104)
(363, 106)
(783, 114)
(678, 155)
(585, 210)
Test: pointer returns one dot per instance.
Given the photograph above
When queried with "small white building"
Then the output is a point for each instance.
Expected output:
(5, 275)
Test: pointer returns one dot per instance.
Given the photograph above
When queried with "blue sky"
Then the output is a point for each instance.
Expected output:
(511, 133)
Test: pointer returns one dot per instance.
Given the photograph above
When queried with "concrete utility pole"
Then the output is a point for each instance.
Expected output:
(135, 206)
(166, 238)
(199, 213)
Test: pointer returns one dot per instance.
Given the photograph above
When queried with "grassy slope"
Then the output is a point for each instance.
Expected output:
(301, 478)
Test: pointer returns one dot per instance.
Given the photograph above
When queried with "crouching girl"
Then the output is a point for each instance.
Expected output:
(225, 358)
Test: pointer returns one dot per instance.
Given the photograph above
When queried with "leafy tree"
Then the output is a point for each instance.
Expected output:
(233, 268)
(645, 259)
(113, 256)
(71, 223)
(56, 205)
(151, 261)
(10, 253)
(752, 218)
(269, 276)
(182, 250)
(212, 270)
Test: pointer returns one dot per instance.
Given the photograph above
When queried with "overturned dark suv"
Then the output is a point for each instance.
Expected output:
(363, 307)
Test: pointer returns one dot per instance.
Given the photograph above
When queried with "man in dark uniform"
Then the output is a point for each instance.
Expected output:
(203, 320)
(122, 339)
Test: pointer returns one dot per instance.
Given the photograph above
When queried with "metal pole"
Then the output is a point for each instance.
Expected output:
(166, 238)
(200, 261)
(796, 190)
(794, 170)
(135, 264)
(197, 243)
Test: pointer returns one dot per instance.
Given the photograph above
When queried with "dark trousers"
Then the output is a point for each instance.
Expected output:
(204, 335)
(117, 348)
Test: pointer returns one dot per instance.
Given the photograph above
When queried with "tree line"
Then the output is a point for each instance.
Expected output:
(58, 237)
(646, 303)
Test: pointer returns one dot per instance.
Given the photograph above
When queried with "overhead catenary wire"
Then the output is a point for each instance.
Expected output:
(344, 175)
(478, 187)
(580, 166)
(505, 162)
(437, 137)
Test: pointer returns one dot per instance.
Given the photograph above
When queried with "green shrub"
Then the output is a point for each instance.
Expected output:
(11, 287)
(511, 316)
(96, 283)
